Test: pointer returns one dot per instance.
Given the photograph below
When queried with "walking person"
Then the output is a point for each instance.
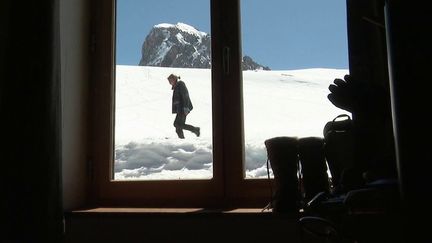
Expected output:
(182, 106)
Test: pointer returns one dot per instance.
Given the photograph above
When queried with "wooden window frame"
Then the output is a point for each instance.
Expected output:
(228, 187)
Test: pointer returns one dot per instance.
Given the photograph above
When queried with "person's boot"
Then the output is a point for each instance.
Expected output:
(282, 154)
(180, 133)
(313, 167)
(197, 131)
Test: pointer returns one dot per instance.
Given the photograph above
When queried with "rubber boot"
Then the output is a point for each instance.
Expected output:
(313, 167)
(283, 157)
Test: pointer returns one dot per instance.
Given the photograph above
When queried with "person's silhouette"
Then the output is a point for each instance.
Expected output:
(181, 105)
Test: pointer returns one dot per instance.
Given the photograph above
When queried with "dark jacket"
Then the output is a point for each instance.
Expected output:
(181, 102)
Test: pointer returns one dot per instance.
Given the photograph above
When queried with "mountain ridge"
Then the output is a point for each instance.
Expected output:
(182, 45)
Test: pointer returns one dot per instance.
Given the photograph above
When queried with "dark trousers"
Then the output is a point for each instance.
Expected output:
(180, 124)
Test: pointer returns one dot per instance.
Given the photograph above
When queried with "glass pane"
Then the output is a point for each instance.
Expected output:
(293, 50)
(156, 38)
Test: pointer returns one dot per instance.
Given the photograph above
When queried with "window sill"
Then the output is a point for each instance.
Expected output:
(109, 212)
(167, 211)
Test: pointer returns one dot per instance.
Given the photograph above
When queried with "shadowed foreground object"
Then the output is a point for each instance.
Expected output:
(282, 154)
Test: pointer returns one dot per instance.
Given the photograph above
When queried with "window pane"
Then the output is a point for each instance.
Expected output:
(293, 50)
(156, 38)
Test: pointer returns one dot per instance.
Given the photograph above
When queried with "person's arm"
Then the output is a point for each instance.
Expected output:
(184, 96)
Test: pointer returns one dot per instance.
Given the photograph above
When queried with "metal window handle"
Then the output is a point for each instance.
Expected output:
(226, 60)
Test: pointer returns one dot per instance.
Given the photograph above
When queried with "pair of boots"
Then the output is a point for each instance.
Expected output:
(299, 169)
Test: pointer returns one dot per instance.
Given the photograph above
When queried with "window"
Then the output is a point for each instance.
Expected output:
(228, 186)
(219, 191)
(292, 51)
(172, 38)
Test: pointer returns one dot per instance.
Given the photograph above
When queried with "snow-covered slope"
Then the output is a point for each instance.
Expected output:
(276, 103)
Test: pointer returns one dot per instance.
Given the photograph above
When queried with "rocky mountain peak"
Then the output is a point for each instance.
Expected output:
(181, 45)
(178, 45)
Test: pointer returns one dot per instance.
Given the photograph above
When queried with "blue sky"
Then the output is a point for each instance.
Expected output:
(281, 34)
